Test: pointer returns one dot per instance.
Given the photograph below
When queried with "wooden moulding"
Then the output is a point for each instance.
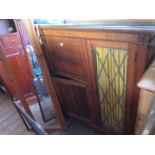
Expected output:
(88, 33)
(42, 63)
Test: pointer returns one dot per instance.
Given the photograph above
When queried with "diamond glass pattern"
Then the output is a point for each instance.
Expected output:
(111, 66)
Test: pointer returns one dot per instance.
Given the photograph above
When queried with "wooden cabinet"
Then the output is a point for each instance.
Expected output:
(11, 40)
(18, 60)
(95, 72)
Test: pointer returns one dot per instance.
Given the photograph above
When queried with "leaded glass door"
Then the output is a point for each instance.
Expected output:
(112, 65)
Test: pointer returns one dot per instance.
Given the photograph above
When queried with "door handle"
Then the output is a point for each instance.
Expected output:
(61, 44)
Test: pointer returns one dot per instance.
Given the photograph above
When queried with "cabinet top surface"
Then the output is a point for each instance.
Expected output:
(100, 27)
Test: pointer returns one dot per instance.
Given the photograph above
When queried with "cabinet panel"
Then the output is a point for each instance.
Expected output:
(112, 66)
(74, 97)
(19, 65)
(67, 56)
(8, 83)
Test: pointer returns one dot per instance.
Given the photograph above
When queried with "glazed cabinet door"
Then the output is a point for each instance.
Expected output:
(75, 98)
(113, 72)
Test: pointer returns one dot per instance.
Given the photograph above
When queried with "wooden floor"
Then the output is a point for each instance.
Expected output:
(10, 121)
(12, 124)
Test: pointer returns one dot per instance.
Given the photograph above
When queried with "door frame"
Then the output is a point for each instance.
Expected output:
(49, 82)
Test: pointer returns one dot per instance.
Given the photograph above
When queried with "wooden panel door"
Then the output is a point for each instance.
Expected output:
(75, 98)
(67, 57)
(113, 78)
